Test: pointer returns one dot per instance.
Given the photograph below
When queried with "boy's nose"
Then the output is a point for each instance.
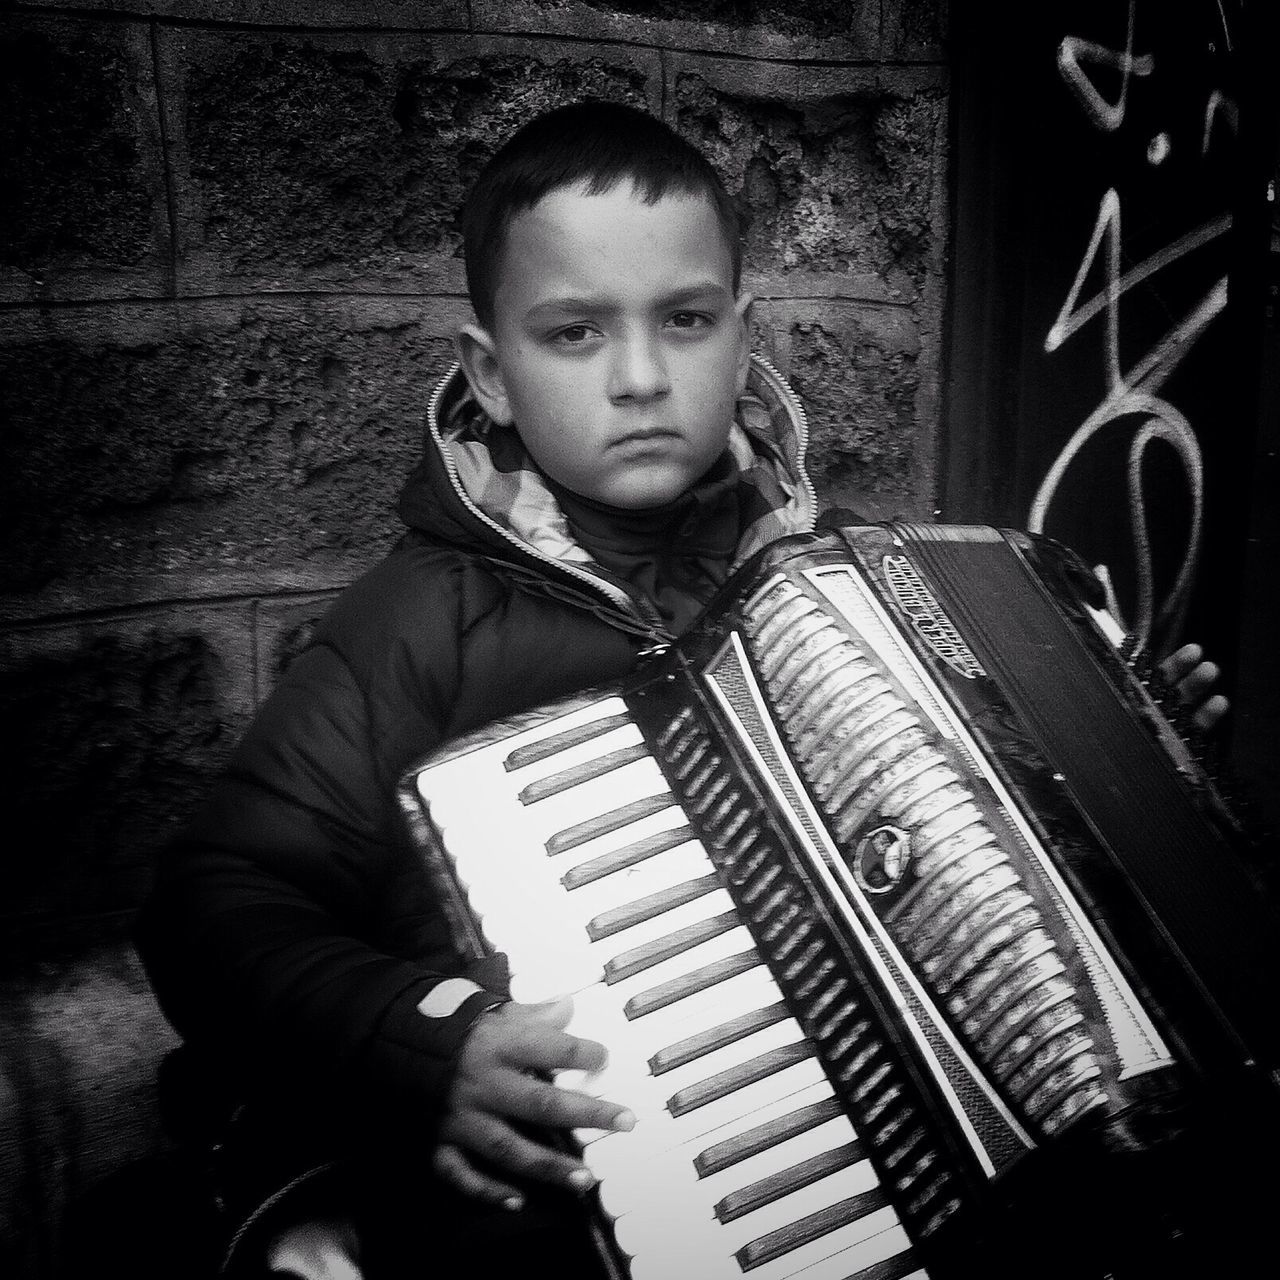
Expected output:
(639, 371)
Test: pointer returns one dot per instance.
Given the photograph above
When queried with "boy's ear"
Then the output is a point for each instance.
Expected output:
(742, 310)
(478, 357)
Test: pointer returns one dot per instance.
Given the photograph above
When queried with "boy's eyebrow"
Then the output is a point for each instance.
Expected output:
(695, 292)
(701, 290)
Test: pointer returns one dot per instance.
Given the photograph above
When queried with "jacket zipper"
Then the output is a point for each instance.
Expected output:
(615, 596)
(792, 401)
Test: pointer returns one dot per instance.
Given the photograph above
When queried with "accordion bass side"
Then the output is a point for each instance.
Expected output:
(919, 940)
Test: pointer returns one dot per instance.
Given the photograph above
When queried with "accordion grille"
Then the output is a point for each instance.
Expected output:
(885, 784)
(809, 966)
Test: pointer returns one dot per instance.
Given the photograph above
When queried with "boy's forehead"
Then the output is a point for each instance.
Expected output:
(612, 240)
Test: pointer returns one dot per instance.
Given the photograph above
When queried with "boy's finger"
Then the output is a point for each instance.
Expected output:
(531, 1038)
(549, 1013)
(452, 1165)
(499, 1144)
(518, 1096)
(1178, 663)
(599, 1113)
(1210, 712)
(1197, 682)
(534, 1038)
(546, 1050)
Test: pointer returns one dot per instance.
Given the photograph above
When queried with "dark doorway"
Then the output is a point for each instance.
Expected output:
(1113, 362)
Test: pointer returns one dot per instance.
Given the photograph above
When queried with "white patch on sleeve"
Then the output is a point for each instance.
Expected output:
(447, 997)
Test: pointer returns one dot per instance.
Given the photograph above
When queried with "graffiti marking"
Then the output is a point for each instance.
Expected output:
(1073, 52)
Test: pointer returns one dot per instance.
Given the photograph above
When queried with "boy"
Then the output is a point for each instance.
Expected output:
(605, 456)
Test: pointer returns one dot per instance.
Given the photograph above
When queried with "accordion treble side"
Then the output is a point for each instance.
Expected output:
(1014, 920)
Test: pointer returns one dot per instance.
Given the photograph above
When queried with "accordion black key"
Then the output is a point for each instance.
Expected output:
(919, 939)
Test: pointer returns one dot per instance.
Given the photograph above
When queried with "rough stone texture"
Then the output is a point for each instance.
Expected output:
(371, 14)
(857, 370)
(251, 435)
(859, 392)
(79, 1048)
(891, 27)
(835, 185)
(329, 160)
(83, 183)
(765, 29)
(109, 745)
(911, 29)
(819, 18)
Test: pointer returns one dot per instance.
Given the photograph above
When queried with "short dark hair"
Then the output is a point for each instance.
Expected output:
(596, 143)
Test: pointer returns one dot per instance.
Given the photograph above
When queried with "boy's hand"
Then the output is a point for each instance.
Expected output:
(501, 1084)
(1193, 678)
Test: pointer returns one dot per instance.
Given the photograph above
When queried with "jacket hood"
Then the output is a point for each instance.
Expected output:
(477, 488)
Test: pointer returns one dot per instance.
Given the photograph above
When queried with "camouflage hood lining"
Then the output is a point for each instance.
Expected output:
(494, 477)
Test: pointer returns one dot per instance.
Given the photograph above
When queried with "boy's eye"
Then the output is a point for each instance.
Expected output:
(688, 320)
(574, 334)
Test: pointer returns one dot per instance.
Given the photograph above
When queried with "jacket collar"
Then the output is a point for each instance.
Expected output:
(493, 494)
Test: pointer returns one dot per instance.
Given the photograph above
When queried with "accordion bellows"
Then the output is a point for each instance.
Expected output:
(1010, 918)
(968, 922)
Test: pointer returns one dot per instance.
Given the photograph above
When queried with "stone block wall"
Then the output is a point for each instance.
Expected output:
(229, 276)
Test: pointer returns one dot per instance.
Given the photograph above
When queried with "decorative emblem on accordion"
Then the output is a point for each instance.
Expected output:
(881, 858)
(917, 604)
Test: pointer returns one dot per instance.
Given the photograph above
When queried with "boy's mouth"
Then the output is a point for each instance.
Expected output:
(641, 434)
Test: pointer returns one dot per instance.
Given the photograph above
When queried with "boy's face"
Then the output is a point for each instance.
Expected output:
(618, 348)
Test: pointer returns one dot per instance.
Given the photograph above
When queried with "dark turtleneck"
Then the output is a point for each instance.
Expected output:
(675, 555)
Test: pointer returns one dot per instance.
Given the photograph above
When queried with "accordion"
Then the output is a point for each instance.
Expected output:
(920, 941)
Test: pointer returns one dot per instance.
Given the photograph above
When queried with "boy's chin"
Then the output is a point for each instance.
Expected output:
(641, 493)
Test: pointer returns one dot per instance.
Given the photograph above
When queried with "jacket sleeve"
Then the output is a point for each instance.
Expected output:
(287, 936)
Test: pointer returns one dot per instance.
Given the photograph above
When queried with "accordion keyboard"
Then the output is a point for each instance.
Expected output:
(582, 868)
